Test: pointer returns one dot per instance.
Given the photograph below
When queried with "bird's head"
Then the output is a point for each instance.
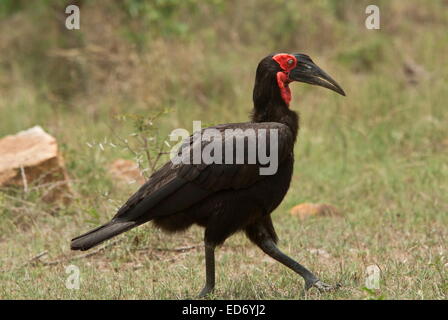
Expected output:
(296, 67)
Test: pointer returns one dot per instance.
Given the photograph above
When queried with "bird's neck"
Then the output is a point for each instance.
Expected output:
(269, 105)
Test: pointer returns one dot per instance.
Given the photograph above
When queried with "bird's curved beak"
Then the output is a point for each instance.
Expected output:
(308, 72)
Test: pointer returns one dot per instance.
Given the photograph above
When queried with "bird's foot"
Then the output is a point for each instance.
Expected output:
(321, 286)
(206, 291)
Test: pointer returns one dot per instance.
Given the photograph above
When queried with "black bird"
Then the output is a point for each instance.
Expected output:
(225, 198)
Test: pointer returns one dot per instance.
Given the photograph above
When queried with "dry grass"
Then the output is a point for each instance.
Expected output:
(379, 155)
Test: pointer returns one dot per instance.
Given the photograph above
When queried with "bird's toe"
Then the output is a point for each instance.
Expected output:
(322, 286)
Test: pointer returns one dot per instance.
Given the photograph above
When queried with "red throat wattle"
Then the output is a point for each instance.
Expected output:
(287, 62)
(283, 83)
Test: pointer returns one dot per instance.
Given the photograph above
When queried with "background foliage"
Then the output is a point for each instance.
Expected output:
(380, 154)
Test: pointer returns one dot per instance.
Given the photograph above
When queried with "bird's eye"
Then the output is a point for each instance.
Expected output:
(290, 61)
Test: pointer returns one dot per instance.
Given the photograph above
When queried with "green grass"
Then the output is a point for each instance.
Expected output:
(379, 154)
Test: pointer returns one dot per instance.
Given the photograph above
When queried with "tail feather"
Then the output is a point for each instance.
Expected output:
(100, 234)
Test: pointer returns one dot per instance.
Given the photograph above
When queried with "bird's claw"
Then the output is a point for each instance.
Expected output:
(322, 286)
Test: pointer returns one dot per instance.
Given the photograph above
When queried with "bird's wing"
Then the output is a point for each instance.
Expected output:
(237, 167)
(178, 186)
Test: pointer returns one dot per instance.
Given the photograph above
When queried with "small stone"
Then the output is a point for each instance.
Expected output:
(31, 158)
(126, 171)
(306, 210)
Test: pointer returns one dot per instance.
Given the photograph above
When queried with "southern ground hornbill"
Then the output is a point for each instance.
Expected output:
(225, 198)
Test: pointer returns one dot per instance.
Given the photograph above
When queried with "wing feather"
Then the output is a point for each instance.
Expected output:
(176, 187)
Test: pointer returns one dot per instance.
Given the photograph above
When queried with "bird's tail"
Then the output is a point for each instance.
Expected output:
(100, 234)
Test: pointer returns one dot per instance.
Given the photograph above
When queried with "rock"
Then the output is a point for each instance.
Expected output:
(306, 210)
(126, 171)
(31, 158)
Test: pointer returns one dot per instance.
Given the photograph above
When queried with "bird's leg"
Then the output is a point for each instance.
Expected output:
(271, 249)
(263, 235)
(209, 270)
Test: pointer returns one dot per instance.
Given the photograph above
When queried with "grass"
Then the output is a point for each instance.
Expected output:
(379, 155)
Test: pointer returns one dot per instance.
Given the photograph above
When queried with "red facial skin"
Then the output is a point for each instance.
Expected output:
(283, 83)
(287, 62)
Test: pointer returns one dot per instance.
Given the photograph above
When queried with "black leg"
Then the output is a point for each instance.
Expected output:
(209, 270)
(262, 235)
(270, 248)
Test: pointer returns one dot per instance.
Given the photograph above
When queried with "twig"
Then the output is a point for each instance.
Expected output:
(18, 199)
(87, 255)
(180, 249)
(147, 153)
(81, 256)
(52, 185)
(153, 167)
(36, 257)
(33, 259)
(24, 180)
(123, 141)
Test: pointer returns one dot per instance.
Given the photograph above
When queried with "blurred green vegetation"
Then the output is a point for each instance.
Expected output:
(380, 154)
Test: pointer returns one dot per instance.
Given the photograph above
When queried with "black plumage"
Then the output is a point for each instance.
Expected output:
(226, 198)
